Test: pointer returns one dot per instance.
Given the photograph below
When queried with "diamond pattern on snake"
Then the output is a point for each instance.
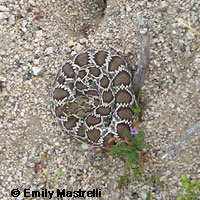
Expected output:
(91, 97)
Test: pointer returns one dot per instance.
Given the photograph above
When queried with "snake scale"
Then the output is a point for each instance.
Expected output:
(91, 97)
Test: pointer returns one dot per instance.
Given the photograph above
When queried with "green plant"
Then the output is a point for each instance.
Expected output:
(45, 171)
(192, 187)
(60, 173)
(35, 27)
(130, 150)
(3, 103)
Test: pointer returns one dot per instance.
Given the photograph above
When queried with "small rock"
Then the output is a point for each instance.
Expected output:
(67, 49)
(37, 71)
(174, 32)
(190, 35)
(83, 40)
(73, 53)
(163, 179)
(3, 15)
(109, 35)
(4, 9)
(49, 50)
(2, 79)
(70, 43)
(46, 59)
(32, 2)
(128, 8)
(72, 179)
(135, 195)
(10, 179)
(27, 76)
(143, 194)
(168, 173)
(11, 20)
(39, 34)
(163, 6)
(78, 48)
(85, 146)
(36, 61)
(24, 23)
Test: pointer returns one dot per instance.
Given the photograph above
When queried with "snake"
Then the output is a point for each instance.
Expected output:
(92, 96)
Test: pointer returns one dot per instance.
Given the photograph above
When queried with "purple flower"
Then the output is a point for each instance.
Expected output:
(133, 131)
(90, 152)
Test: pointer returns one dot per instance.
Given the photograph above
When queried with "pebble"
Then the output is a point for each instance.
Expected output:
(128, 8)
(2, 79)
(39, 34)
(4, 9)
(73, 53)
(168, 173)
(36, 61)
(78, 48)
(11, 19)
(72, 179)
(109, 35)
(143, 194)
(27, 76)
(37, 71)
(85, 146)
(24, 23)
(163, 6)
(70, 43)
(3, 15)
(32, 2)
(83, 40)
(49, 50)
(190, 35)
(163, 179)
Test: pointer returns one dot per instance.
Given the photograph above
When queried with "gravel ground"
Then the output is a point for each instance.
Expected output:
(37, 36)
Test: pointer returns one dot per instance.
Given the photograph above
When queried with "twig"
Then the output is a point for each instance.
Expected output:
(140, 74)
(188, 25)
(176, 146)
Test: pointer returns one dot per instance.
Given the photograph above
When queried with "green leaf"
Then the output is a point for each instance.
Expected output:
(148, 196)
(136, 110)
(155, 177)
(34, 27)
(122, 181)
(46, 172)
(184, 178)
(186, 185)
(97, 167)
(60, 173)
(105, 173)
(196, 187)
(3, 103)
(193, 182)
(180, 197)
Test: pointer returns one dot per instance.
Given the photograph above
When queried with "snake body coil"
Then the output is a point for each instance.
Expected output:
(92, 95)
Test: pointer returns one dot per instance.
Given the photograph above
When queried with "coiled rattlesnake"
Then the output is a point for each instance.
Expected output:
(92, 95)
